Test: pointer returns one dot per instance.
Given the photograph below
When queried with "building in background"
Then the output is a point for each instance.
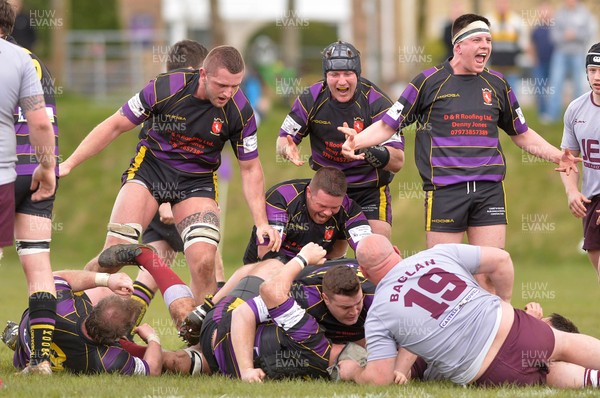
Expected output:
(397, 38)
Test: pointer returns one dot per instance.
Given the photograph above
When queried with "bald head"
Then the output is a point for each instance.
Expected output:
(376, 256)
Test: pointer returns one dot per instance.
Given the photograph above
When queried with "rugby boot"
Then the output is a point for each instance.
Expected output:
(43, 368)
(192, 324)
(123, 254)
(10, 335)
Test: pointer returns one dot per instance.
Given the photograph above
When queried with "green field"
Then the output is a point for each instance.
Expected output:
(542, 238)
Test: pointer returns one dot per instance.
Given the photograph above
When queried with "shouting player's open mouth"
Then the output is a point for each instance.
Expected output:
(480, 58)
(343, 91)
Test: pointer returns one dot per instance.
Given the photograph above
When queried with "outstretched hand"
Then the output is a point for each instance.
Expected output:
(568, 162)
(349, 145)
(291, 152)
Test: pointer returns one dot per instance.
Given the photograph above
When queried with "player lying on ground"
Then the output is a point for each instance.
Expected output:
(468, 336)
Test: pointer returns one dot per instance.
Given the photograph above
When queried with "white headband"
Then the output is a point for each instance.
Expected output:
(472, 29)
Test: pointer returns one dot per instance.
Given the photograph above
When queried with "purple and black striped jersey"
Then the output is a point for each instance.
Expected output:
(71, 349)
(315, 112)
(287, 212)
(188, 133)
(457, 120)
(307, 290)
(293, 344)
(273, 344)
(26, 159)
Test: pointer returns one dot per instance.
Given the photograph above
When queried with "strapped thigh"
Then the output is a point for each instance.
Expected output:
(129, 232)
(200, 227)
(32, 246)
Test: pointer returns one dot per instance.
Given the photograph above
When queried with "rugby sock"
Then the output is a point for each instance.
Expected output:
(162, 274)
(591, 378)
(177, 295)
(143, 294)
(134, 349)
(42, 318)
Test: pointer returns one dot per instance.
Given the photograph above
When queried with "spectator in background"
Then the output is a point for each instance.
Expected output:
(510, 39)
(540, 51)
(574, 27)
(23, 32)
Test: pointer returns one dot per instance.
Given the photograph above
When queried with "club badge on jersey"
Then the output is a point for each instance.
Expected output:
(217, 125)
(487, 96)
(359, 124)
(328, 234)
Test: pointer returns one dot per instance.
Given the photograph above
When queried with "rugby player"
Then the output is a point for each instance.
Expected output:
(459, 107)
(316, 210)
(581, 135)
(87, 333)
(194, 114)
(344, 96)
(293, 345)
(33, 217)
(466, 334)
(161, 232)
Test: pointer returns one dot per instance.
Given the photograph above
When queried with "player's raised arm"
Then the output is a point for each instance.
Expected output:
(536, 145)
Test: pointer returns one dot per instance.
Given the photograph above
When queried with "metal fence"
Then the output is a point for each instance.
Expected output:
(103, 64)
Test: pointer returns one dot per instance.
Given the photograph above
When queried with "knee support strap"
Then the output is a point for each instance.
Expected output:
(32, 246)
(200, 232)
(129, 232)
